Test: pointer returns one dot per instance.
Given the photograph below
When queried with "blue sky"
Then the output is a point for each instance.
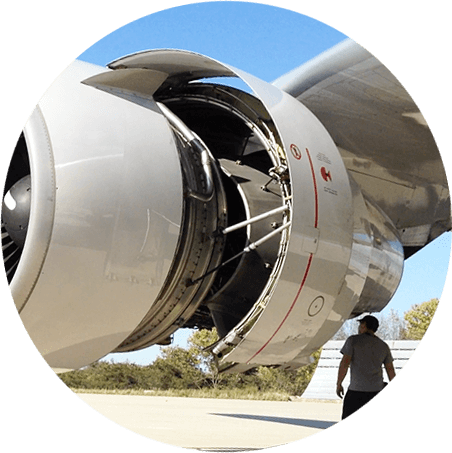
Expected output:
(267, 42)
(260, 39)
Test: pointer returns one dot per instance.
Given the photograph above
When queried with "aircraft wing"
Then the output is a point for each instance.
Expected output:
(382, 136)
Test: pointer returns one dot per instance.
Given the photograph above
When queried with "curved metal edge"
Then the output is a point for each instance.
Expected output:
(42, 211)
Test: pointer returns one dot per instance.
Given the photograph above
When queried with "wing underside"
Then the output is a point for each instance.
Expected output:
(382, 136)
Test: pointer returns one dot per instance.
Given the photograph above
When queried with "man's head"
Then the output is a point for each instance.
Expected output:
(368, 323)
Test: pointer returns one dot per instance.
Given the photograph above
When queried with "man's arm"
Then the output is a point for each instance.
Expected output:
(343, 368)
(390, 370)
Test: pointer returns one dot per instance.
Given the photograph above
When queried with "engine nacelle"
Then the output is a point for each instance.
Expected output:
(162, 200)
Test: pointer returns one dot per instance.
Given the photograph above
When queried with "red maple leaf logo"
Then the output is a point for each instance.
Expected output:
(326, 174)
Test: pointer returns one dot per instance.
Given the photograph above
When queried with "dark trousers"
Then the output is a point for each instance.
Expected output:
(354, 400)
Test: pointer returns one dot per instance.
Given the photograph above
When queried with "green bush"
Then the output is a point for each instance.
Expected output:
(185, 371)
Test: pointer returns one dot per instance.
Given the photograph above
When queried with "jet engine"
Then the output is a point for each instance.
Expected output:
(172, 191)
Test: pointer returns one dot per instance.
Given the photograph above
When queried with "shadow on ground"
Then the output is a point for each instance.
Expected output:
(319, 424)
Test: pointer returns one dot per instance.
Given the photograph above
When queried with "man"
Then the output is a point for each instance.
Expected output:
(365, 354)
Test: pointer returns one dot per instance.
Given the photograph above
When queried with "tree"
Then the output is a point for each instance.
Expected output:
(178, 368)
(350, 327)
(198, 342)
(278, 380)
(392, 327)
(260, 378)
(418, 319)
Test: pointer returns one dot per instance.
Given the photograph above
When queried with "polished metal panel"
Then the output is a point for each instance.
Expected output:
(158, 197)
(199, 249)
(177, 64)
(42, 210)
(116, 220)
(132, 82)
(319, 245)
(383, 138)
(385, 262)
(335, 249)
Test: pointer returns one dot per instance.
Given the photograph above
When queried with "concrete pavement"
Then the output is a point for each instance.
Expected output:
(215, 424)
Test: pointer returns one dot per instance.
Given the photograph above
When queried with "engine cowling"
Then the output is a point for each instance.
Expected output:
(163, 200)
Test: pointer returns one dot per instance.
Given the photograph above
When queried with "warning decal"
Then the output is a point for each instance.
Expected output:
(295, 151)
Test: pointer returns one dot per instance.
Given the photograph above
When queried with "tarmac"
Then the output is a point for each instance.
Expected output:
(217, 424)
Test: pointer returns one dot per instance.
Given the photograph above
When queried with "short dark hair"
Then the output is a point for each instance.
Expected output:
(371, 322)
